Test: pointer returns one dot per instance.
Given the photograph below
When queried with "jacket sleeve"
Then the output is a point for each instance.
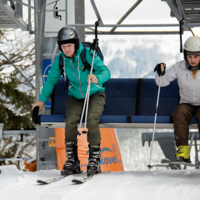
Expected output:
(101, 70)
(51, 80)
(169, 76)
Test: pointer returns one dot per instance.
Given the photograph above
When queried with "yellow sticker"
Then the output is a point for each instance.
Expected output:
(52, 143)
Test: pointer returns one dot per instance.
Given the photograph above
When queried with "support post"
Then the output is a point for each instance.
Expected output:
(70, 5)
(126, 14)
(1, 131)
(36, 11)
(80, 18)
(29, 16)
(196, 153)
(18, 12)
(40, 7)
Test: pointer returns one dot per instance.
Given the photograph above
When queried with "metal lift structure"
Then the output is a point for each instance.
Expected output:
(29, 15)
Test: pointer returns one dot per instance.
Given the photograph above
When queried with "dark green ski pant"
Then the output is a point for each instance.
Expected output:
(73, 114)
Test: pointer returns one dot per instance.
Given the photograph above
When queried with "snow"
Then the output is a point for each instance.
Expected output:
(126, 56)
(140, 185)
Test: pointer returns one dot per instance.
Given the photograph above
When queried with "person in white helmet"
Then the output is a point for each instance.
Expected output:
(188, 75)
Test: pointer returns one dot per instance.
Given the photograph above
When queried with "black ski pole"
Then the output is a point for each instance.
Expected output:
(180, 33)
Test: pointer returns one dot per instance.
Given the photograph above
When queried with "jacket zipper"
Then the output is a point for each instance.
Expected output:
(78, 69)
(65, 78)
(78, 80)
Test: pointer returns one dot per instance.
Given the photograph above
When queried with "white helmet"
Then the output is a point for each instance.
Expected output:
(192, 44)
(192, 47)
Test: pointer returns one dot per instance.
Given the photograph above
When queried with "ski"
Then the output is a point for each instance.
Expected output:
(87, 178)
(158, 165)
(51, 180)
(167, 161)
(82, 180)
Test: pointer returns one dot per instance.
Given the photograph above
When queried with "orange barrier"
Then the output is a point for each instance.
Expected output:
(110, 153)
(30, 165)
(60, 147)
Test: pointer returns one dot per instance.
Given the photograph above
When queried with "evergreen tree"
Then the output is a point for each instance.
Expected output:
(16, 95)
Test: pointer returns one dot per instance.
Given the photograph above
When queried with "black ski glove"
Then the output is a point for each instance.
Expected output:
(158, 69)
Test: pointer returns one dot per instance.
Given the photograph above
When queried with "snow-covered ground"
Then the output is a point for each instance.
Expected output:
(137, 185)
(134, 183)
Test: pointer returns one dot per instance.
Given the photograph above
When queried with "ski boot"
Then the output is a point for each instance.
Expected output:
(72, 165)
(94, 160)
(183, 154)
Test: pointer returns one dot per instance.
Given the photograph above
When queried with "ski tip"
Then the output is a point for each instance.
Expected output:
(41, 182)
(77, 181)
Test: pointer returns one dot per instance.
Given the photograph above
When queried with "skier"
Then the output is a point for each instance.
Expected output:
(188, 76)
(70, 47)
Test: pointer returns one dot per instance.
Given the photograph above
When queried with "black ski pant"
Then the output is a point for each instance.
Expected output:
(73, 114)
(181, 120)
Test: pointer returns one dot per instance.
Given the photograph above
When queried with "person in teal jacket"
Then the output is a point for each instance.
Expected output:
(70, 47)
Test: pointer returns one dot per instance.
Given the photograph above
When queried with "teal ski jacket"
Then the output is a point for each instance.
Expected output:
(73, 69)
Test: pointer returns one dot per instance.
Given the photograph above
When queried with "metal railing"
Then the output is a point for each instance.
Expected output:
(22, 10)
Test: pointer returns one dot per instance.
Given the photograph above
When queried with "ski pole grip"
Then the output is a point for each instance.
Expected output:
(35, 116)
(96, 25)
(95, 45)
